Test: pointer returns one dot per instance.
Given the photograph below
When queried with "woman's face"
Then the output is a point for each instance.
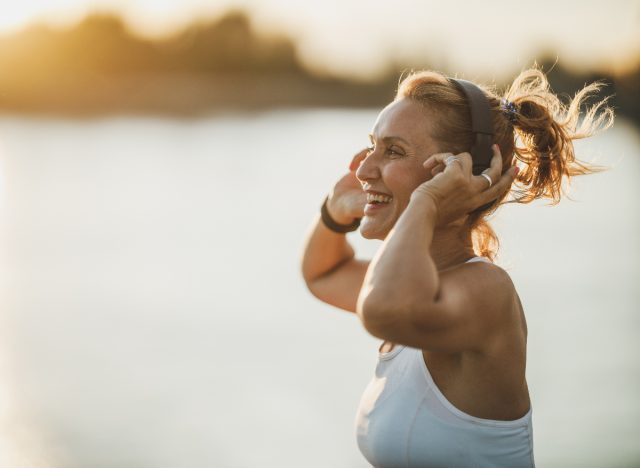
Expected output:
(400, 143)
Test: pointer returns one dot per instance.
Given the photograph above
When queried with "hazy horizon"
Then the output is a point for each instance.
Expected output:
(359, 39)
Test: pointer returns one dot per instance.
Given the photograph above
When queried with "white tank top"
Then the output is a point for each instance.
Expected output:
(403, 420)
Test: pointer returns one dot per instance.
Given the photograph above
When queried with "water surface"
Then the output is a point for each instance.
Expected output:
(153, 315)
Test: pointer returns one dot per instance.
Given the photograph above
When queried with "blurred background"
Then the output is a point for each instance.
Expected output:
(161, 163)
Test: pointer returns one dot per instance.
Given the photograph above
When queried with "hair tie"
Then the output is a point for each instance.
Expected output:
(510, 110)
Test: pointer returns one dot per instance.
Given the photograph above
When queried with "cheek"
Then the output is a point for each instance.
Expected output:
(405, 186)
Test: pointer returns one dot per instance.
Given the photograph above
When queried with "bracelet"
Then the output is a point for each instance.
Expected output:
(332, 225)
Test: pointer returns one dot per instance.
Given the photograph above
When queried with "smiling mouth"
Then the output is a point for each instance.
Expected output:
(376, 199)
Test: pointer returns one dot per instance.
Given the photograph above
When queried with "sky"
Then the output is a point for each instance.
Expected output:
(358, 37)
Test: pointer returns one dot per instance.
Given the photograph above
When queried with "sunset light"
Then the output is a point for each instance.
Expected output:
(188, 196)
(357, 37)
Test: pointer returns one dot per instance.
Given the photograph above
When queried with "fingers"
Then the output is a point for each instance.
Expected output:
(431, 164)
(437, 170)
(437, 162)
(495, 166)
(355, 162)
(501, 183)
(499, 188)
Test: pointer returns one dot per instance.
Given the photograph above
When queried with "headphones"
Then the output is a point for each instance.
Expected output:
(481, 125)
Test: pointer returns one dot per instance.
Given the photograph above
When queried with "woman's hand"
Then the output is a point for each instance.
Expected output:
(347, 199)
(455, 191)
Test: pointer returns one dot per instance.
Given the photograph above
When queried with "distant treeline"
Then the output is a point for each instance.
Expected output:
(98, 66)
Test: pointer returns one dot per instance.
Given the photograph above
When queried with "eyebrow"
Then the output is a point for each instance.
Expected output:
(391, 138)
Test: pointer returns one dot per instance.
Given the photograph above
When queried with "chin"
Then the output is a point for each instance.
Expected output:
(369, 230)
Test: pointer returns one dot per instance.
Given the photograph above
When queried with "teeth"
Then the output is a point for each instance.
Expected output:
(378, 198)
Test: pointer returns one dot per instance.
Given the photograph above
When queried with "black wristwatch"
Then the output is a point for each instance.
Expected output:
(332, 225)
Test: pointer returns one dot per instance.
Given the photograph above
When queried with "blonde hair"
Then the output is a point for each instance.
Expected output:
(539, 136)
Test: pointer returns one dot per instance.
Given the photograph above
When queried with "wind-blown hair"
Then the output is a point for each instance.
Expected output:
(539, 136)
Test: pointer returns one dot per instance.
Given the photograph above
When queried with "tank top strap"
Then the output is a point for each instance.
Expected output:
(478, 259)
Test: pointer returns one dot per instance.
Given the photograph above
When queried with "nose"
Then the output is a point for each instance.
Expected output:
(369, 168)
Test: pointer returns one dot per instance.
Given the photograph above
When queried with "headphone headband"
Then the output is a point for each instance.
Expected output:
(481, 124)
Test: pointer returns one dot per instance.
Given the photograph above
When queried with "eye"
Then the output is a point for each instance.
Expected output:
(389, 151)
(392, 151)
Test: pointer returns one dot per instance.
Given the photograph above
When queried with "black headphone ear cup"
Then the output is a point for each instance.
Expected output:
(481, 124)
(482, 127)
(481, 153)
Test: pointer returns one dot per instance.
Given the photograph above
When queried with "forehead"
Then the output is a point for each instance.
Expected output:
(403, 118)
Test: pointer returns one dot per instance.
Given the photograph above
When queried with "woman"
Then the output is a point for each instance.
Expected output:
(450, 386)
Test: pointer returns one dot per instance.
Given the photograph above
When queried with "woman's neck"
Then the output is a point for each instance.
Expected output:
(451, 246)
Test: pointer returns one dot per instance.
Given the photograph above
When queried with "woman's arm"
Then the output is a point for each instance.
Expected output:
(402, 274)
(329, 267)
(406, 300)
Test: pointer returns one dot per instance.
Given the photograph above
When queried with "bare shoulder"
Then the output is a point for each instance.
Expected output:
(497, 297)
(487, 285)
(475, 307)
